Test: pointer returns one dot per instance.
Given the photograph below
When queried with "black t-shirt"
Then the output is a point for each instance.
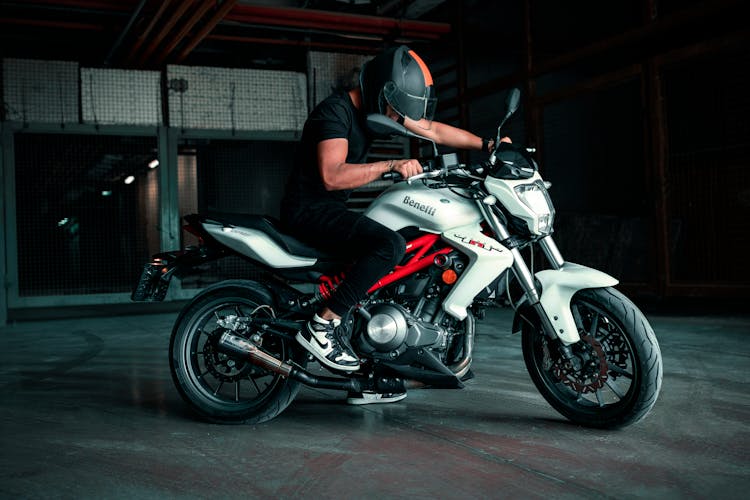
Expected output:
(334, 118)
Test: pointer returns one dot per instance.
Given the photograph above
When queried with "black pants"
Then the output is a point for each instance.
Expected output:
(374, 248)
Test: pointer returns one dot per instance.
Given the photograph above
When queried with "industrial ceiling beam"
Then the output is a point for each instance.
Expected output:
(196, 16)
(124, 32)
(173, 18)
(160, 40)
(207, 28)
(147, 31)
(336, 22)
(295, 43)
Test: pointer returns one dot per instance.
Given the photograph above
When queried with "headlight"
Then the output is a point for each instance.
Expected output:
(536, 198)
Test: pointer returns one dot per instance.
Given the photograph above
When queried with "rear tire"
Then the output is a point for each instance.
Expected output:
(220, 388)
(621, 373)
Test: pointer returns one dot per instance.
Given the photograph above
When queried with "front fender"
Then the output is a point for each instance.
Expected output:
(559, 286)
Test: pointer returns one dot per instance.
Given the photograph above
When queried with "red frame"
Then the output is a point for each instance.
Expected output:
(418, 261)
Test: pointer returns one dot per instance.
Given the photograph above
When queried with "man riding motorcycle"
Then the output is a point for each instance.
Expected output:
(330, 164)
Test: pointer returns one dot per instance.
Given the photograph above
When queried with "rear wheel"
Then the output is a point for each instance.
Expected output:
(615, 376)
(219, 387)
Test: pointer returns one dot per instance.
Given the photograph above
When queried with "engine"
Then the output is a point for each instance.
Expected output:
(390, 330)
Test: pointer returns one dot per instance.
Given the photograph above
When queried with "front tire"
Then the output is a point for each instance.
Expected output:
(617, 372)
(220, 388)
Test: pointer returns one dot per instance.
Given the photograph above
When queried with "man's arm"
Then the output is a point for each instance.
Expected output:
(448, 135)
(444, 134)
(338, 175)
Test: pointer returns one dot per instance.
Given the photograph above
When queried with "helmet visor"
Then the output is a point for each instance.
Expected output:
(415, 107)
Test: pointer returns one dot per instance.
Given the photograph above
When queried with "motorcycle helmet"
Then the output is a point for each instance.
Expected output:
(398, 77)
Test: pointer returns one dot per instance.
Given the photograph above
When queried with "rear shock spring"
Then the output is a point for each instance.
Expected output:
(328, 284)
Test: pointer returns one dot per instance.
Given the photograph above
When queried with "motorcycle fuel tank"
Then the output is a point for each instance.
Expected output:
(434, 210)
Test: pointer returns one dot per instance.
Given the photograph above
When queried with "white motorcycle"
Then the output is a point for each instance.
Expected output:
(588, 349)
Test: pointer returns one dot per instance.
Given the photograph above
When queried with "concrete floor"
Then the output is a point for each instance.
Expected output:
(88, 410)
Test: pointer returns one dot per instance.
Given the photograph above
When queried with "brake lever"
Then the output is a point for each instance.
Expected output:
(428, 174)
(425, 175)
(464, 169)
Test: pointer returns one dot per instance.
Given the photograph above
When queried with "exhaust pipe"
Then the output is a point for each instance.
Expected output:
(461, 367)
(242, 348)
(239, 347)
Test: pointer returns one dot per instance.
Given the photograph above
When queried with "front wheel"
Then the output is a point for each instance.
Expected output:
(615, 375)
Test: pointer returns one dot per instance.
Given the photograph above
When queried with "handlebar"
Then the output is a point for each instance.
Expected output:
(435, 167)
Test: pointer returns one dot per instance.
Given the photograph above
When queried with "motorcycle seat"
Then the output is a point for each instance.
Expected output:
(268, 225)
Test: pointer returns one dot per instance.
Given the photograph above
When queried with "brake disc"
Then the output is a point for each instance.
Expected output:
(594, 370)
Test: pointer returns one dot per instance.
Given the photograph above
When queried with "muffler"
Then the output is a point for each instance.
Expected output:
(236, 346)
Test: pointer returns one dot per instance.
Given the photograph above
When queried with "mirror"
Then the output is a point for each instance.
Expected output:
(382, 125)
(511, 102)
(511, 105)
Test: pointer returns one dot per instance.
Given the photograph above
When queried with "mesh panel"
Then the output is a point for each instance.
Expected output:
(40, 91)
(236, 99)
(115, 96)
(709, 185)
(81, 230)
(243, 177)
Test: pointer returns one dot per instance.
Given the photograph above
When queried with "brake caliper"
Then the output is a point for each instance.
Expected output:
(593, 370)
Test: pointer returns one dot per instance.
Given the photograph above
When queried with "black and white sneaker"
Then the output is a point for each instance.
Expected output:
(321, 338)
(368, 397)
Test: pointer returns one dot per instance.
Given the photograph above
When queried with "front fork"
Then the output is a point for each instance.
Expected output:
(558, 325)
(521, 270)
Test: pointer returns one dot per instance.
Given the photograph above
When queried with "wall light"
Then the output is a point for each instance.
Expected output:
(129, 179)
(153, 163)
(106, 193)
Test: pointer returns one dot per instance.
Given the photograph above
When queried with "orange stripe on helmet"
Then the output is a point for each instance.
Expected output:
(425, 70)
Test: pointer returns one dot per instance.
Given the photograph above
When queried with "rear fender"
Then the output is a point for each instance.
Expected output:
(158, 273)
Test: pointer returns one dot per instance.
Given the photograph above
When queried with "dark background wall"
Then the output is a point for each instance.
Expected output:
(637, 111)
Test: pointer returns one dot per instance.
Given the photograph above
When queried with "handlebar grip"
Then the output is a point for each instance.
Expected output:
(428, 165)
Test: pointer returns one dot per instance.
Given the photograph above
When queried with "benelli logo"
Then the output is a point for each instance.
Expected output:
(469, 241)
(419, 206)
